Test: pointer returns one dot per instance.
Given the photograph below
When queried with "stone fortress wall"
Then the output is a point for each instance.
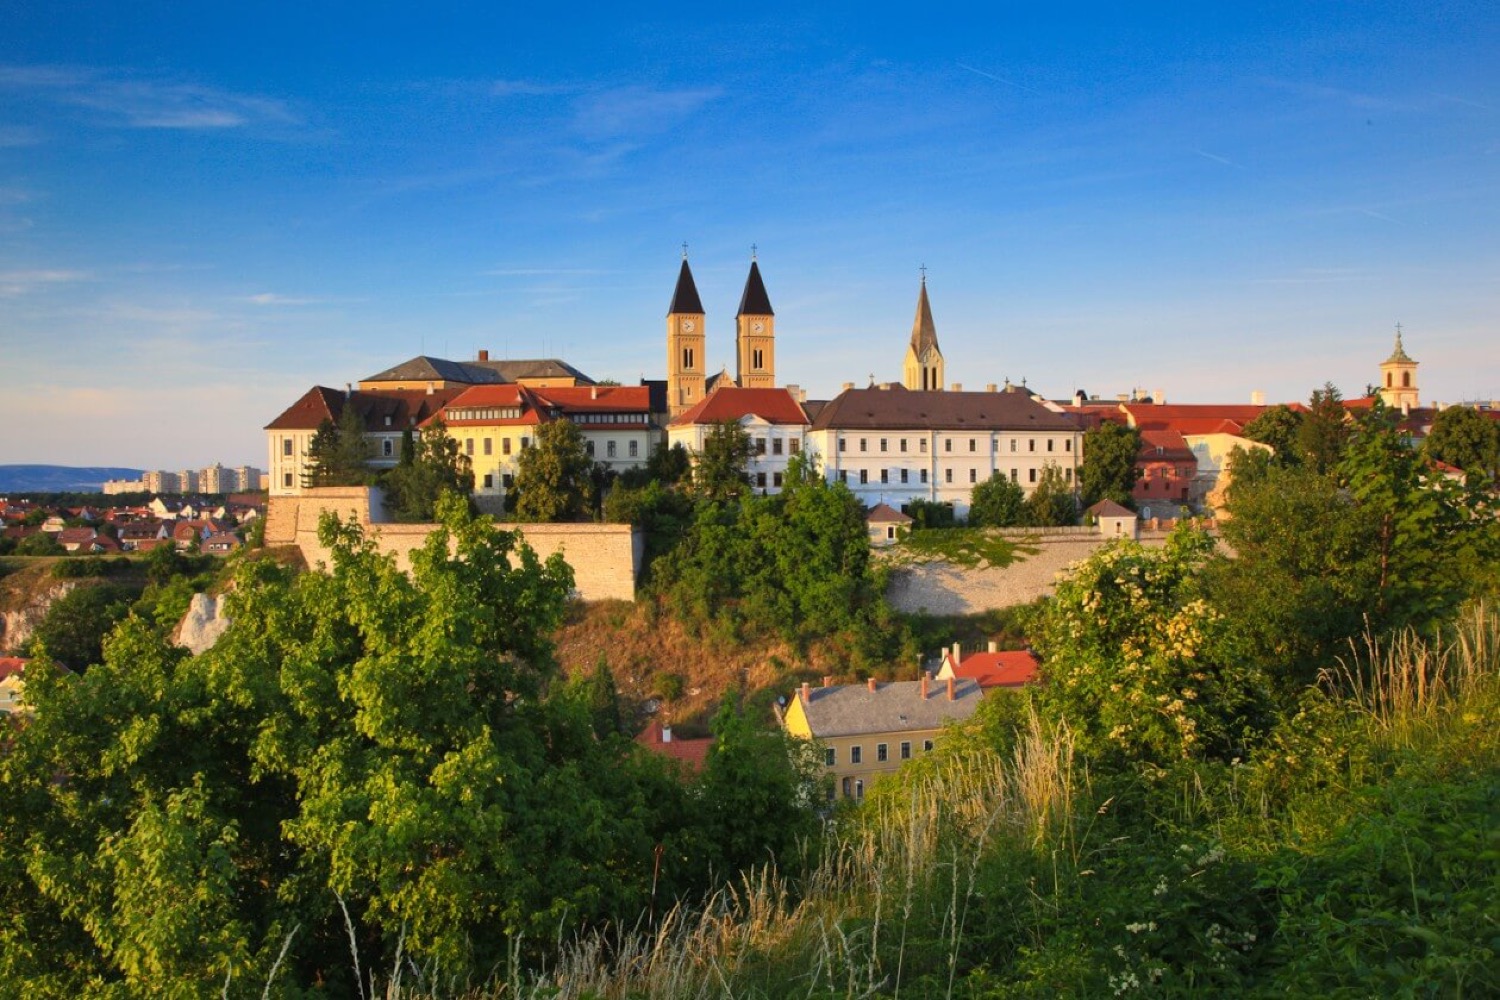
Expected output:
(606, 558)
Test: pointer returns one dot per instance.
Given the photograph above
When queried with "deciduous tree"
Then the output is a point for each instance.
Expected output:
(554, 476)
(719, 472)
(1108, 469)
(998, 502)
(1466, 439)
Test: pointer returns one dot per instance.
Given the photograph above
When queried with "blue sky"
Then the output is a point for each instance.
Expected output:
(205, 208)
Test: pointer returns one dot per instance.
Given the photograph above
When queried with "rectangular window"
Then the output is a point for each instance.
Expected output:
(1013, 444)
(507, 480)
(1031, 444)
(927, 746)
(855, 753)
(776, 480)
(760, 480)
(903, 475)
(286, 480)
(635, 449)
(922, 445)
(830, 756)
(882, 445)
(525, 443)
(841, 444)
(843, 475)
(881, 753)
(864, 476)
(609, 449)
(588, 446)
(1068, 474)
(776, 446)
(1068, 445)
(489, 480)
(468, 446)
(948, 444)
(489, 446)
(1049, 444)
(385, 448)
(859, 790)
(924, 475)
(947, 475)
(885, 475)
(973, 475)
(760, 446)
(505, 446)
(861, 444)
(903, 444)
(1033, 475)
(906, 749)
(972, 444)
(1015, 475)
(286, 446)
(796, 446)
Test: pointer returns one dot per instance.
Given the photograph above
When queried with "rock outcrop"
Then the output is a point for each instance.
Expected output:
(201, 627)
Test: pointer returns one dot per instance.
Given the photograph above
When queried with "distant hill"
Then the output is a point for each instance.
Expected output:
(59, 478)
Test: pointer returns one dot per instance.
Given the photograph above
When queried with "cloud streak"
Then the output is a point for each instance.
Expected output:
(137, 102)
(14, 284)
(627, 112)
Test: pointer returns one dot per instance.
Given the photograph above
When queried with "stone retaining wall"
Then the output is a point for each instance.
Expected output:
(606, 558)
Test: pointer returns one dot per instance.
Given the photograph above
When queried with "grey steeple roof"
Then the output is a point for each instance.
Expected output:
(685, 297)
(1399, 355)
(923, 331)
(755, 301)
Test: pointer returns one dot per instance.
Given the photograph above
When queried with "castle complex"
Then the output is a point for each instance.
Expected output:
(891, 443)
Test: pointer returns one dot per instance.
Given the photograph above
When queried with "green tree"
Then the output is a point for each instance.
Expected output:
(1108, 471)
(758, 794)
(1281, 428)
(40, 544)
(437, 466)
(72, 631)
(1466, 439)
(1052, 503)
(669, 466)
(554, 476)
(998, 502)
(663, 514)
(1130, 658)
(719, 471)
(338, 454)
(1324, 432)
(930, 514)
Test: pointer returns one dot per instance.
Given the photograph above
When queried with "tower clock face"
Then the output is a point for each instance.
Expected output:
(757, 327)
(688, 326)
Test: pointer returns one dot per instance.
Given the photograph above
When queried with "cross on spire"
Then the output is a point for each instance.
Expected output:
(752, 251)
(684, 249)
(923, 269)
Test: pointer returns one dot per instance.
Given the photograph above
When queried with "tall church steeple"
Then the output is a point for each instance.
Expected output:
(924, 362)
(1398, 378)
(755, 334)
(685, 343)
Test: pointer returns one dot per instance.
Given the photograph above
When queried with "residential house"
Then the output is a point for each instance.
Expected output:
(133, 534)
(221, 543)
(994, 668)
(1114, 520)
(1166, 469)
(871, 729)
(691, 753)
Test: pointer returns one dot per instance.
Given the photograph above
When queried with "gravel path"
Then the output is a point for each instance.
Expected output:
(940, 588)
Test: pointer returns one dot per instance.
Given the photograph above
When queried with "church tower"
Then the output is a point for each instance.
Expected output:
(1398, 379)
(755, 335)
(924, 362)
(685, 344)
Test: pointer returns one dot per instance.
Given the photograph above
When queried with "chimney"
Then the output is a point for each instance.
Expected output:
(924, 685)
(1406, 407)
(806, 692)
(1080, 397)
(994, 646)
(957, 653)
(593, 392)
(1158, 396)
(348, 389)
(950, 689)
(958, 387)
(666, 734)
(991, 387)
(848, 386)
(828, 680)
(429, 388)
(871, 683)
(1257, 398)
(484, 355)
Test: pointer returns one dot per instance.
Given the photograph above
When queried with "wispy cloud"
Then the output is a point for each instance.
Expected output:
(18, 137)
(14, 284)
(142, 102)
(532, 272)
(1215, 158)
(529, 88)
(998, 79)
(1317, 276)
(626, 112)
(273, 299)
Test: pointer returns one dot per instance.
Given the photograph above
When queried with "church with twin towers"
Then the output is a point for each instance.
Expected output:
(688, 379)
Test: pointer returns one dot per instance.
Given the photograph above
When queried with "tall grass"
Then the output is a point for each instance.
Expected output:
(843, 926)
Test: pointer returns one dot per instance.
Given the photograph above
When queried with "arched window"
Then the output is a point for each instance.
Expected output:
(1390, 380)
(1406, 380)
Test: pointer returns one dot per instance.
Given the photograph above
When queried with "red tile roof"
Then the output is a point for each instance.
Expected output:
(691, 752)
(1011, 668)
(384, 409)
(11, 665)
(493, 397)
(730, 402)
(1193, 418)
(882, 513)
(599, 398)
(1164, 446)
